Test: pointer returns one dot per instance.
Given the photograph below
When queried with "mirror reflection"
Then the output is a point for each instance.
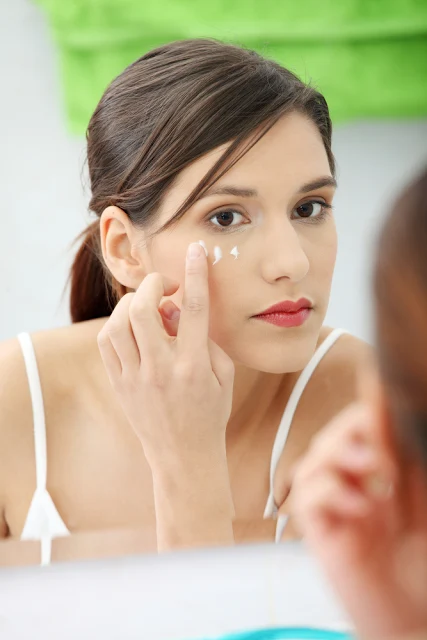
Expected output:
(217, 313)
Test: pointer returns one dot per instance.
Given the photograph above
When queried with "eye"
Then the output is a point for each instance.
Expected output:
(228, 218)
(311, 209)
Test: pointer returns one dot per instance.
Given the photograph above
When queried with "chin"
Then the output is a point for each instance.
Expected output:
(289, 355)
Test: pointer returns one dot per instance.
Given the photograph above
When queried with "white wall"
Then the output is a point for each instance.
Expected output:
(43, 205)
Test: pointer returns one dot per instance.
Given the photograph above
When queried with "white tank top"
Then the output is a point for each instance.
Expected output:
(43, 521)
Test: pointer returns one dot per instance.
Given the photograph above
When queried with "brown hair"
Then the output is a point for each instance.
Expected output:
(401, 315)
(164, 111)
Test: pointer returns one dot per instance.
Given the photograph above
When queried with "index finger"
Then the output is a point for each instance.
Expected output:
(193, 327)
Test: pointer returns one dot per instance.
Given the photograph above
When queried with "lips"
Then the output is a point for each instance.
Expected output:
(287, 307)
(287, 313)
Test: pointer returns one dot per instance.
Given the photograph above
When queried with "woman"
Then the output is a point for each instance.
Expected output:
(204, 145)
(360, 494)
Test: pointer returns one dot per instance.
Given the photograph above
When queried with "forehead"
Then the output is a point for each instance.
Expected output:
(291, 153)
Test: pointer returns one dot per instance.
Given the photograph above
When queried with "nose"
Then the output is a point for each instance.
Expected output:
(284, 255)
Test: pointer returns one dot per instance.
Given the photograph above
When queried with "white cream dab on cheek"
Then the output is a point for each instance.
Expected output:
(235, 252)
(217, 254)
(204, 247)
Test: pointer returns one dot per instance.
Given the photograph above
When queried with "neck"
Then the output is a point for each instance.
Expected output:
(254, 394)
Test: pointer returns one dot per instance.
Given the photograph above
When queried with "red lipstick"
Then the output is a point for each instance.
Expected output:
(287, 313)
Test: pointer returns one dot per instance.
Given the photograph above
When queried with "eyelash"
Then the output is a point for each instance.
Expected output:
(324, 213)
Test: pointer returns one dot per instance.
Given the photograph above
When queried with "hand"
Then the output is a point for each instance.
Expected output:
(367, 525)
(175, 390)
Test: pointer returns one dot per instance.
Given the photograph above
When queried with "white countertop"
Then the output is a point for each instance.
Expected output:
(179, 596)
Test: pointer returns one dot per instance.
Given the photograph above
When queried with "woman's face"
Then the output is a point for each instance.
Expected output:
(274, 206)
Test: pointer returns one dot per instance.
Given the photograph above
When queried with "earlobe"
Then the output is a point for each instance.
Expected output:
(118, 243)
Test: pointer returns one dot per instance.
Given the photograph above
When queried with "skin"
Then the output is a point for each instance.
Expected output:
(133, 476)
(361, 506)
(281, 257)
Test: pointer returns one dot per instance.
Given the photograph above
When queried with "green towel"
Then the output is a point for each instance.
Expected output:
(368, 57)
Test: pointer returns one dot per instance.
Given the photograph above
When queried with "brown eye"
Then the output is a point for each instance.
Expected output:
(226, 218)
(309, 209)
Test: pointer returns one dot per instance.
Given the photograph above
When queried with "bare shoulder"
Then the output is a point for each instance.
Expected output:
(348, 356)
(338, 373)
(15, 418)
(61, 356)
(58, 352)
(332, 387)
(13, 388)
(65, 354)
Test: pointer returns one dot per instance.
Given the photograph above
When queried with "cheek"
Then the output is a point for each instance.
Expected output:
(331, 256)
(168, 258)
(224, 281)
(323, 256)
(326, 262)
(228, 287)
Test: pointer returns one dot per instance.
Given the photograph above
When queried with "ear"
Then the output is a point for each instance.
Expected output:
(123, 248)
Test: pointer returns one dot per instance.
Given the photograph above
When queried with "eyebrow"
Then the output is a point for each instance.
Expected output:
(242, 192)
(325, 181)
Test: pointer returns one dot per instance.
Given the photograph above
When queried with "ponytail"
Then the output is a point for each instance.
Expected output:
(92, 295)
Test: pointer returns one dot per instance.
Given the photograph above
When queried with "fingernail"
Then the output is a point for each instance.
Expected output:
(173, 314)
(202, 244)
(170, 311)
(194, 251)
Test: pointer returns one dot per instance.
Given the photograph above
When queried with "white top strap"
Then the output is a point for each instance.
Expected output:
(38, 409)
(288, 415)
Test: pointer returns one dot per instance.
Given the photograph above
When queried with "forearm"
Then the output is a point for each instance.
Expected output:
(193, 503)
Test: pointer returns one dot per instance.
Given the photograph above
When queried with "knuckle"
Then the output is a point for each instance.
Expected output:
(129, 383)
(102, 338)
(127, 298)
(229, 368)
(154, 277)
(120, 307)
(139, 310)
(112, 328)
(153, 281)
(194, 304)
(193, 269)
(154, 377)
(116, 383)
(188, 372)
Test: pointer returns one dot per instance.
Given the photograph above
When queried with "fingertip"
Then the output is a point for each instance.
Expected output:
(195, 252)
(170, 286)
